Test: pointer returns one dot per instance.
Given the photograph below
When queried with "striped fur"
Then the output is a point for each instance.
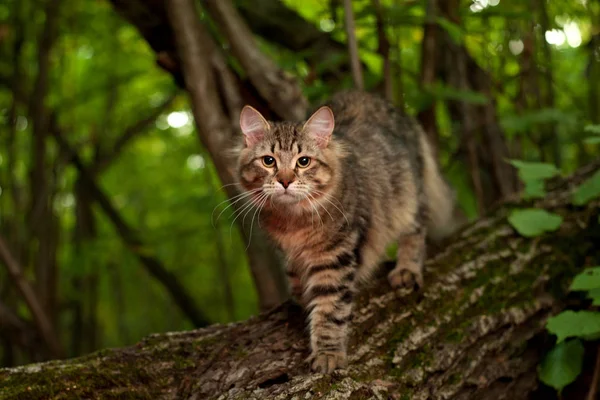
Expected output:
(374, 182)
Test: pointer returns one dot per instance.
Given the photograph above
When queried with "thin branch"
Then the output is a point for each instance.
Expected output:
(176, 290)
(353, 45)
(130, 133)
(281, 91)
(214, 129)
(429, 58)
(594, 386)
(40, 317)
(383, 49)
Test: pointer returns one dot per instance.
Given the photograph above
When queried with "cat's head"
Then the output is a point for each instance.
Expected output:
(289, 164)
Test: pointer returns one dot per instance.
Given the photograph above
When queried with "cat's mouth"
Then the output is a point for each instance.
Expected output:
(288, 196)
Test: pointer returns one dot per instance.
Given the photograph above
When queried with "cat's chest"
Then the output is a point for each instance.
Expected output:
(295, 236)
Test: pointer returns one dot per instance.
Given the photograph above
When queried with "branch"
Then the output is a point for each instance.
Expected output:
(427, 116)
(130, 133)
(154, 267)
(280, 90)
(384, 50)
(194, 49)
(18, 331)
(476, 330)
(353, 46)
(42, 322)
(278, 24)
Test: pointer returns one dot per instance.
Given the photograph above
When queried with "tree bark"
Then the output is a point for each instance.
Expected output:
(357, 75)
(476, 330)
(195, 49)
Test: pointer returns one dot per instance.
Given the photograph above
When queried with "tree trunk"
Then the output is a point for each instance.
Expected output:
(476, 330)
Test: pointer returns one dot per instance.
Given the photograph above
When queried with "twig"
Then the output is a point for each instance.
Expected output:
(40, 317)
(281, 92)
(194, 48)
(353, 45)
(130, 237)
(130, 133)
(594, 386)
(383, 49)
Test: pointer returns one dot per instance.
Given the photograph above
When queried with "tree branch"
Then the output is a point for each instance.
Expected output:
(106, 158)
(476, 330)
(427, 116)
(214, 129)
(279, 90)
(383, 48)
(42, 322)
(353, 45)
(178, 293)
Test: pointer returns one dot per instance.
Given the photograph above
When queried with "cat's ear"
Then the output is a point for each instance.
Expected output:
(320, 126)
(253, 124)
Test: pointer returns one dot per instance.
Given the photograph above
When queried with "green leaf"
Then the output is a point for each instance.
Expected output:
(594, 295)
(574, 324)
(592, 128)
(562, 365)
(588, 190)
(532, 222)
(592, 140)
(531, 171)
(587, 280)
(453, 30)
(534, 190)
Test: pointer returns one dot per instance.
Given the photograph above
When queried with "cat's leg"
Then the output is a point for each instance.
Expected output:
(408, 273)
(295, 283)
(329, 291)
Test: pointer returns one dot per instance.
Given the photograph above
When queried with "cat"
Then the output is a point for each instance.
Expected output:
(333, 193)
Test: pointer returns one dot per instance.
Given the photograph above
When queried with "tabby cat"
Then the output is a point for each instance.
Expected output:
(333, 193)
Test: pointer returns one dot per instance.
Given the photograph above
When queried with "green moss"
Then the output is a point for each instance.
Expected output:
(454, 378)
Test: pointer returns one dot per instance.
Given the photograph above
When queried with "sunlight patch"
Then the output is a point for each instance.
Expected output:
(178, 119)
(195, 162)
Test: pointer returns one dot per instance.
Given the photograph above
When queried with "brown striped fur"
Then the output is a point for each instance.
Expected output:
(372, 183)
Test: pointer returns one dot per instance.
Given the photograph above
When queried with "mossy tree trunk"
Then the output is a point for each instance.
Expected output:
(476, 330)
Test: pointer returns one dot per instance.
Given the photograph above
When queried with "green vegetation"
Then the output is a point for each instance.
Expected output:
(506, 93)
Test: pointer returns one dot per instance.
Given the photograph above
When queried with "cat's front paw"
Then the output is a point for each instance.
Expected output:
(327, 361)
(405, 278)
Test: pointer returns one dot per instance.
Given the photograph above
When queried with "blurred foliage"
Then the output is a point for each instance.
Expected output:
(104, 78)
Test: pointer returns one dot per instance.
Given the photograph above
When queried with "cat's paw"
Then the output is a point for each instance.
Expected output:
(327, 361)
(404, 278)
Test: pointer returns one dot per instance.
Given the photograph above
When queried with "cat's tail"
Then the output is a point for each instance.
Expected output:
(444, 218)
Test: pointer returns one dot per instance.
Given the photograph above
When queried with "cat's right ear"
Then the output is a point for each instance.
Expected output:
(253, 124)
(320, 126)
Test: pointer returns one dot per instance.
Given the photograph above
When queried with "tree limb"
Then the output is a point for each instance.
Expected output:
(42, 322)
(280, 91)
(154, 267)
(106, 158)
(214, 130)
(476, 330)
(383, 48)
(353, 45)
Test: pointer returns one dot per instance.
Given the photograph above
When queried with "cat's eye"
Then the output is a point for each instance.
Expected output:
(303, 162)
(268, 161)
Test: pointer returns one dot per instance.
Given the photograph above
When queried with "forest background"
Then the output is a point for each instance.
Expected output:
(110, 193)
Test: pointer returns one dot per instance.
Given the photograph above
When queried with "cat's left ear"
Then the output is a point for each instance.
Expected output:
(253, 125)
(320, 126)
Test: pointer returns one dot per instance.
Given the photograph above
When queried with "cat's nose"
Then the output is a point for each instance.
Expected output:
(285, 177)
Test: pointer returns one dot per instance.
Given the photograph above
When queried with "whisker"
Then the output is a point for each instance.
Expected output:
(324, 208)
(247, 206)
(259, 209)
(325, 197)
(230, 184)
(233, 201)
(312, 205)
